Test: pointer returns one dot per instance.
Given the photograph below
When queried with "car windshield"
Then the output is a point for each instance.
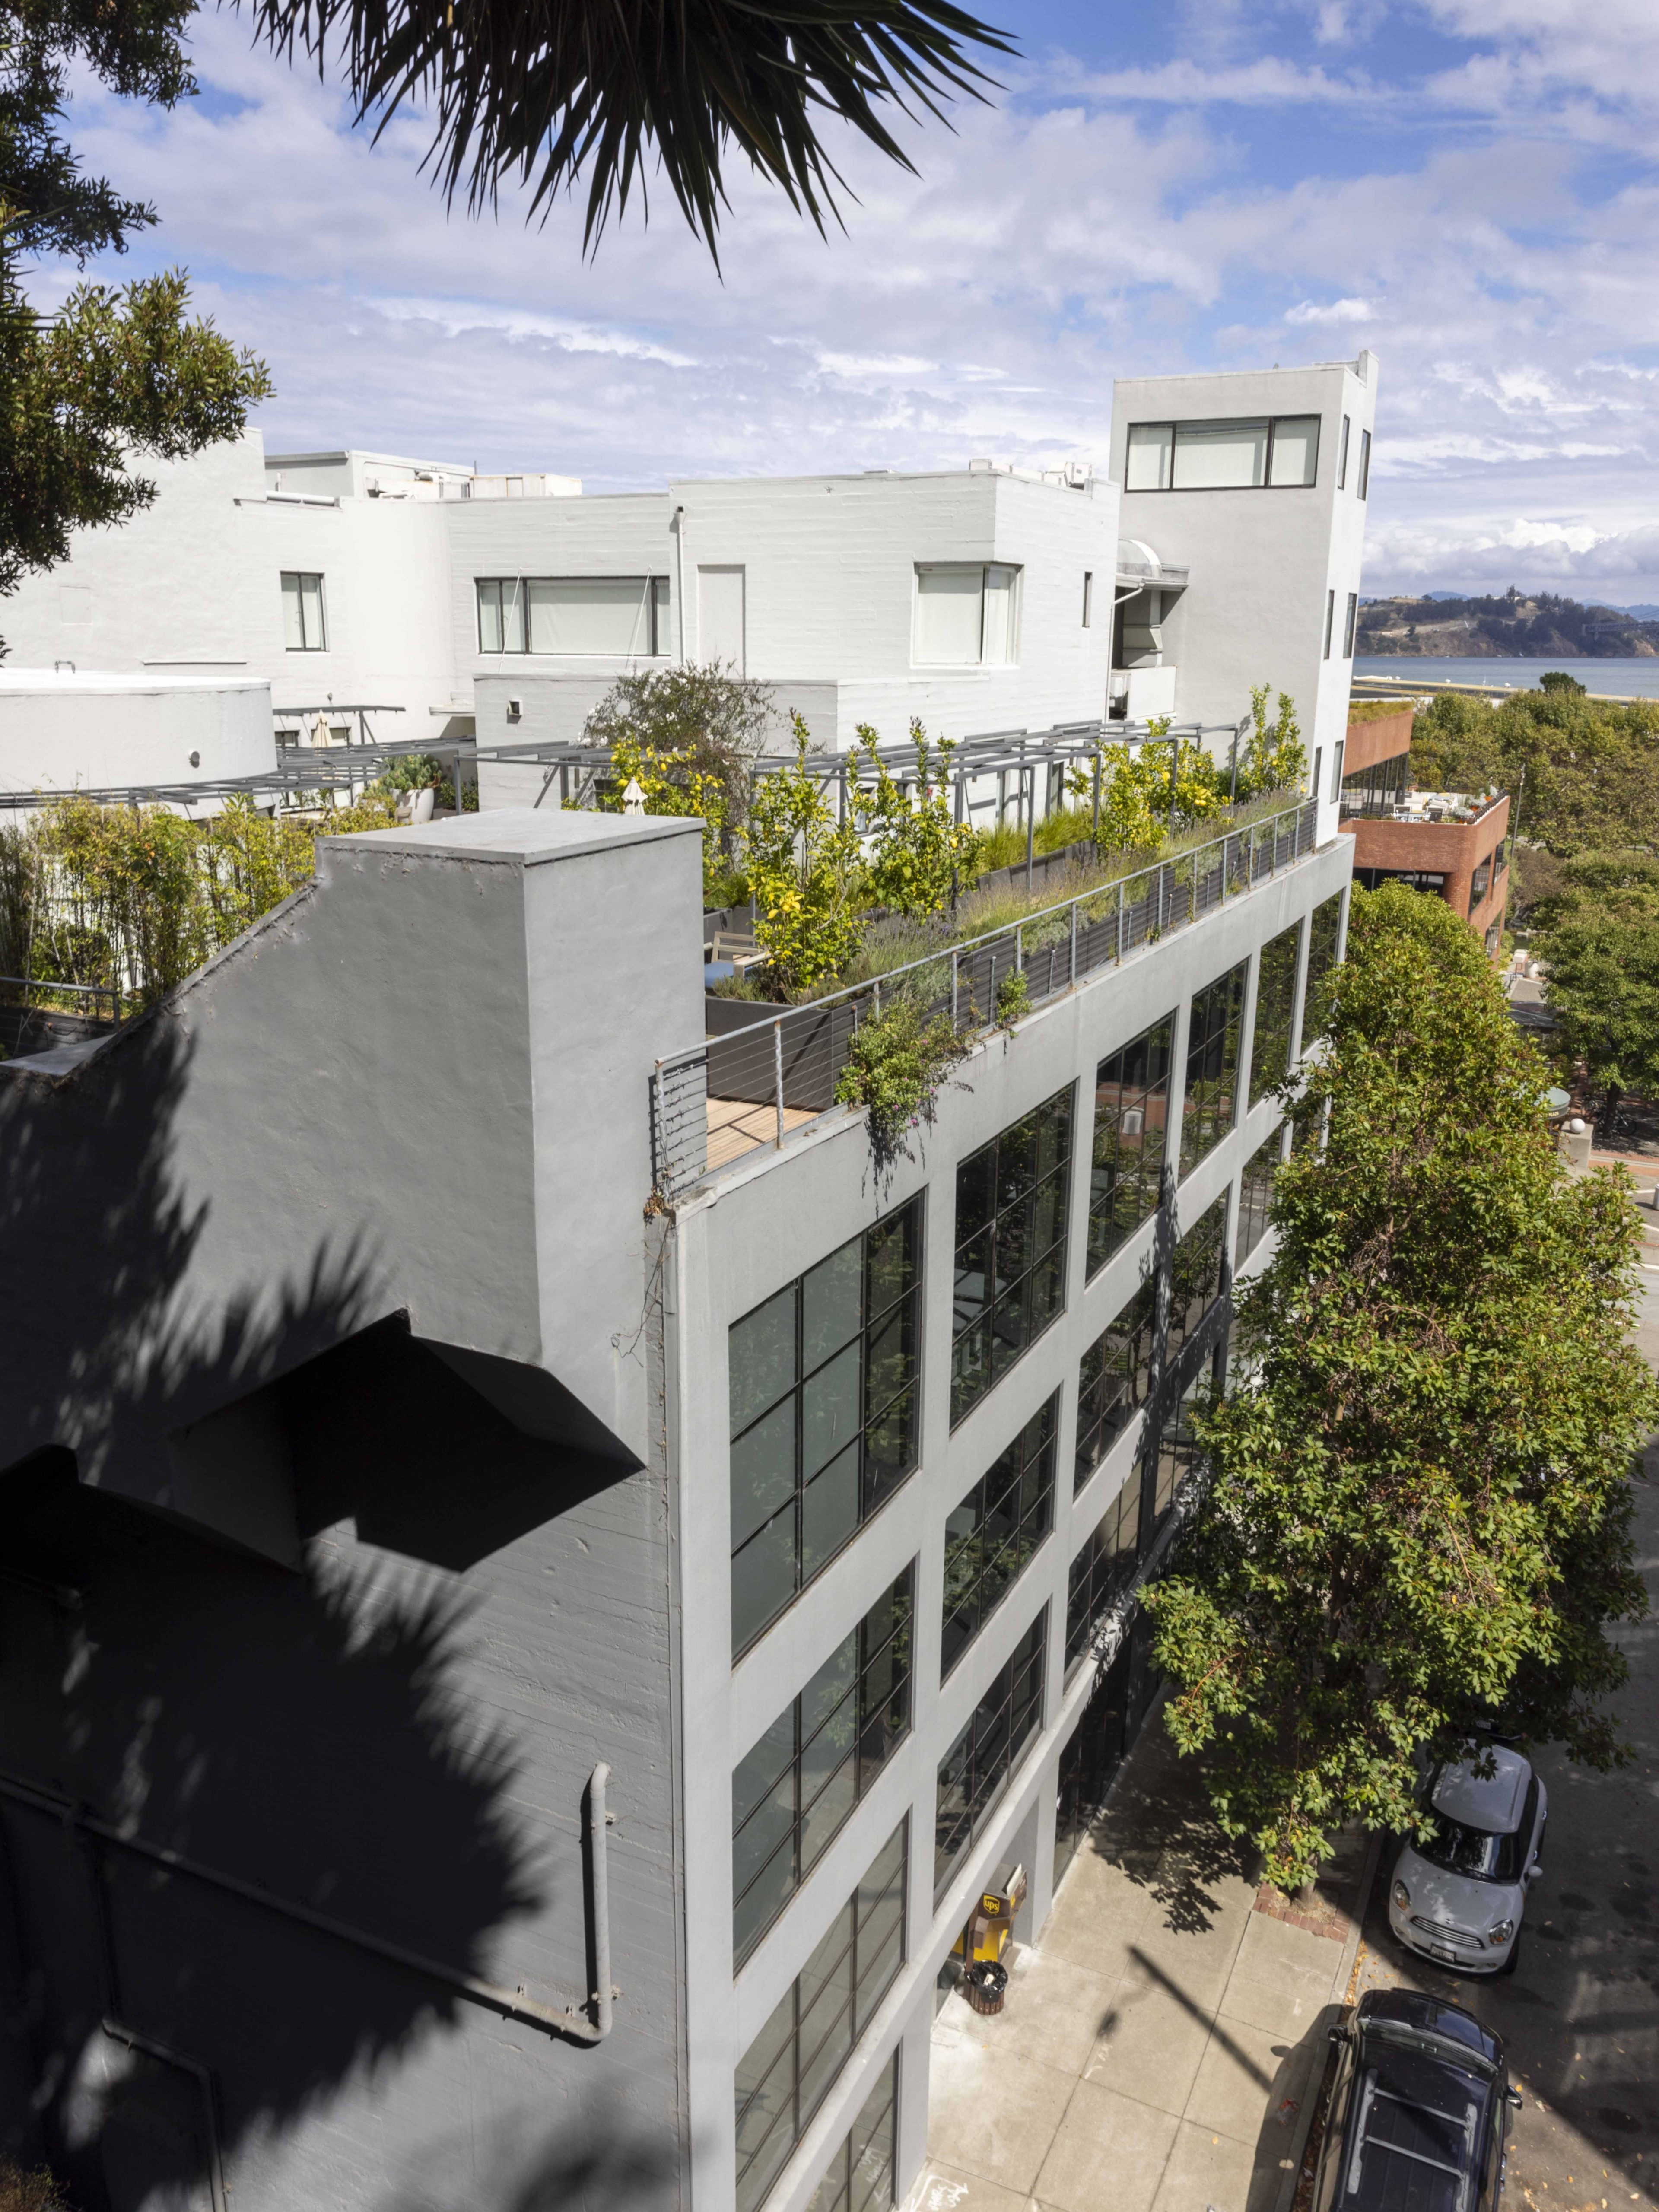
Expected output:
(1472, 1852)
(1414, 2143)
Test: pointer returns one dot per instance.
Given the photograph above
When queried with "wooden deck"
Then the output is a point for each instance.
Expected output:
(737, 1126)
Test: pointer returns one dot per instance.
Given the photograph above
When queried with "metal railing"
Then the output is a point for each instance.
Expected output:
(716, 1101)
(27, 1027)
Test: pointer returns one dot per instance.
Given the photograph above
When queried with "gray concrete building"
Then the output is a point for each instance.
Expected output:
(543, 1585)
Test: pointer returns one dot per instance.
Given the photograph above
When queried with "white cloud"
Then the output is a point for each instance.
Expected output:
(1338, 311)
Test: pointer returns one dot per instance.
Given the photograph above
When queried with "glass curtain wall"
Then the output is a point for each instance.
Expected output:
(990, 1538)
(796, 1787)
(1101, 1571)
(1195, 1275)
(1213, 1037)
(1012, 1198)
(1132, 1112)
(860, 2177)
(1323, 925)
(790, 2066)
(824, 1413)
(1255, 1195)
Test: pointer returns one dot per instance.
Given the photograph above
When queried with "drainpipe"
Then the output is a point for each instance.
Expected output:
(597, 1819)
(679, 573)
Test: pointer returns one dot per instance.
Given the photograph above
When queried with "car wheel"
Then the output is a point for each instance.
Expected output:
(1514, 1959)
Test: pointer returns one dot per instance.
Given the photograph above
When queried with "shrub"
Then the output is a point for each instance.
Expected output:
(805, 872)
(689, 737)
(36, 2191)
(921, 855)
(895, 1065)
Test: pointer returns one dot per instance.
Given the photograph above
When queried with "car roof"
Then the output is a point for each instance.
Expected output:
(1431, 2015)
(1492, 1801)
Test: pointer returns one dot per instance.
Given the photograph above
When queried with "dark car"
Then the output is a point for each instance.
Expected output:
(1418, 2111)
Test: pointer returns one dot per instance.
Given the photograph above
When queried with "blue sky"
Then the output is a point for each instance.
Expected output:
(1468, 187)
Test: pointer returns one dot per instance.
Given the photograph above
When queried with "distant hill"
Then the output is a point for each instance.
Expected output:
(1513, 627)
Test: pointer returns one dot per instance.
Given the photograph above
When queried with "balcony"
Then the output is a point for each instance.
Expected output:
(1448, 844)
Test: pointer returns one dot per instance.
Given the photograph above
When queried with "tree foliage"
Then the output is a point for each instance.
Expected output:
(806, 873)
(1584, 772)
(545, 94)
(688, 737)
(1419, 1511)
(1598, 937)
(896, 1062)
(919, 854)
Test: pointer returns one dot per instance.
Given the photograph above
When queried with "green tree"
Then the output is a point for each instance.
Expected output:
(118, 371)
(1274, 757)
(919, 855)
(689, 738)
(806, 873)
(1418, 1517)
(1585, 771)
(1599, 941)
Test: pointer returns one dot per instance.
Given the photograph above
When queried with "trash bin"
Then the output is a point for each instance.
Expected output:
(987, 1986)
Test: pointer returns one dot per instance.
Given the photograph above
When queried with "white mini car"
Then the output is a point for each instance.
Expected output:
(1458, 1898)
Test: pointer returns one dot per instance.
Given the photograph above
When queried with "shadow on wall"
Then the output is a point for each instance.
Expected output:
(303, 1729)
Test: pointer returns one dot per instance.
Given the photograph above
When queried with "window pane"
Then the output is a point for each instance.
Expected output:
(1220, 456)
(761, 1358)
(892, 1356)
(588, 614)
(829, 1511)
(294, 635)
(949, 612)
(1000, 646)
(1296, 449)
(821, 1820)
(661, 635)
(761, 1901)
(1148, 465)
(310, 613)
(832, 1406)
(890, 1258)
(830, 1310)
(889, 1448)
(763, 1471)
(828, 1687)
(763, 1578)
(755, 1774)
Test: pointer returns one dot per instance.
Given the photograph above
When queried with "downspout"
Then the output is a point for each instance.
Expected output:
(598, 1821)
(679, 573)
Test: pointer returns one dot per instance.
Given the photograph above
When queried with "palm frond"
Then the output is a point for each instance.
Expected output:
(547, 91)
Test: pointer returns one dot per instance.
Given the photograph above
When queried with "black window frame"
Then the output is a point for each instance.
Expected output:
(1114, 1380)
(1273, 1022)
(1017, 1192)
(1481, 878)
(1210, 1096)
(1175, 1457)
(1012, 1512)
(862, 2176)
(1376, 789)
(1198, 1276)
(1324, 931)
(1128, 1072)
(1255, 1193)
(795, 2061)
(888, 1335)
(992, 1743)
(1175, 425)
(1101, 1569)
(867, 1721)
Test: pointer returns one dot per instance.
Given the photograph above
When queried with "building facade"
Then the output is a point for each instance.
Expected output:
(1452, 845)
(518, 1674)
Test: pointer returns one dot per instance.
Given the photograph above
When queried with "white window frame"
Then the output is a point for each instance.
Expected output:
(514, 615)
(1015, 573)
(300, 578)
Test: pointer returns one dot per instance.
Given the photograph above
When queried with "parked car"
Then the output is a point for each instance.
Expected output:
(1419, 2109)
(1457, 1898)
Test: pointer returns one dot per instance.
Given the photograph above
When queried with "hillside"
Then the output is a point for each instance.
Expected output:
(1541, 627)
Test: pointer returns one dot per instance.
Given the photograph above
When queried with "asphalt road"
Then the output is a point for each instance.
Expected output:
(1580, 2015)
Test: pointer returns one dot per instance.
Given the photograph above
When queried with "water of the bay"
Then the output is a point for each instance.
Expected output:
(1615, 679)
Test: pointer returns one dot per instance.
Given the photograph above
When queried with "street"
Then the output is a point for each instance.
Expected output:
(1580, 2015)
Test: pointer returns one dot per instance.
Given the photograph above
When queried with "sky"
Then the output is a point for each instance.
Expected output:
(1467, 187)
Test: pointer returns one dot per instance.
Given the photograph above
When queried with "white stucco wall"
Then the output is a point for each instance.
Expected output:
(87, 731)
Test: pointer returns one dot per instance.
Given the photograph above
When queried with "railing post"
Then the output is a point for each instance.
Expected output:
(953, 986)
(1119, 956)
(777, 1072)
(1019, 949)
(1072, 975)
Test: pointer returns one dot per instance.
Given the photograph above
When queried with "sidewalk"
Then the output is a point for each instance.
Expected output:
(1155, 2049)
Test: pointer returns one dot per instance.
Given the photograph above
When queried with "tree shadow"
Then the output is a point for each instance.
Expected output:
(258, 1656)
(1158, 1828)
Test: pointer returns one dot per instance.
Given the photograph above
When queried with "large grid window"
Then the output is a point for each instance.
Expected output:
(1101, 1571)
(973, 1773)
(1322, 927)
(1212, 1096)
(1112, 1380)
(304, 629)
(793, 1793)
(1012, 1198)
(1275, 1011)
(860, 2177)
(1132, 1112)
(624, 615)
(789, 2068)
(990, 1538)
(1255, 1195)
(1179, 1451)
(1195, 1270)
(1235, 455)
(824, 1423)
(1376, 789)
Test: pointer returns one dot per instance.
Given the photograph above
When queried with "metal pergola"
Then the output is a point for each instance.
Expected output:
(304, 775)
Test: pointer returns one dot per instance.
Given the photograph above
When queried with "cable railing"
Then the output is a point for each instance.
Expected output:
(760, 1081)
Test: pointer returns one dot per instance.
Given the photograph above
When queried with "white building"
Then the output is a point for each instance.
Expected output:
(979, 599)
